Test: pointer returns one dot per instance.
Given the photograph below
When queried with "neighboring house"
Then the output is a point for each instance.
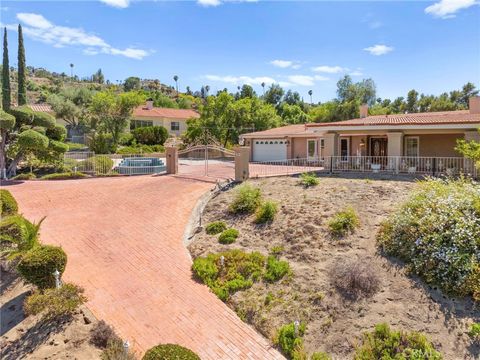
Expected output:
(174, 120)
(416, 135)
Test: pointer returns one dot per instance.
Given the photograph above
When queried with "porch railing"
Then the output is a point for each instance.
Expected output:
(395, 165)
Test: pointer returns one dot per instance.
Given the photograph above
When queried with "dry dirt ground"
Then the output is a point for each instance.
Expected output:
(335, 324)
(29, 338)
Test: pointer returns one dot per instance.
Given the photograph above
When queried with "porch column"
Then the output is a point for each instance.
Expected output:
(289, 141)
(242, 155)
(172, 160)
(331, 144)
(472, 136)
(395, 144)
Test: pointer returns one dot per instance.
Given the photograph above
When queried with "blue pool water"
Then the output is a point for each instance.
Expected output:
(140, 166)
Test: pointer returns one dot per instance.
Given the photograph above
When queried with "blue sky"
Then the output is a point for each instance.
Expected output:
(432, 46)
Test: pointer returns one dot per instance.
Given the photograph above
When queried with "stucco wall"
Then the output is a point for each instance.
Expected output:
(439, 144)
(299, 148)
(166, 123)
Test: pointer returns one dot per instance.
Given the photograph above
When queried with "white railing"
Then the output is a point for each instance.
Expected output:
(395, 165)
(114, 164)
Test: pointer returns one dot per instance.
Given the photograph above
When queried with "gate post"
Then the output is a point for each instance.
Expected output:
(242, 159)
(172, 160)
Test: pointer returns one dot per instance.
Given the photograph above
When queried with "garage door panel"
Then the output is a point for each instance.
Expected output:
(269, 150)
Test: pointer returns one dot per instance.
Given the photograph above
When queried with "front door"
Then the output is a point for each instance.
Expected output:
(378, 147)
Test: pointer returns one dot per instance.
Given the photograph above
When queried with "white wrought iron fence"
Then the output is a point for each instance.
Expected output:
(285, 167)
(114, 164)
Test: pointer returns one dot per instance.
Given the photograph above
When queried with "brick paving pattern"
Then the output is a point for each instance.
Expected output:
(123, 237)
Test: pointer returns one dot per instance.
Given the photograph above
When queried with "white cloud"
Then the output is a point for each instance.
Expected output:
(40, 29)
(328, 69)
(356, 73)
(379, 49)
(213, 3)
(446, 9)
(375, 25)
(286, 64)
(122, 4)
(302, 80)
(238, 80)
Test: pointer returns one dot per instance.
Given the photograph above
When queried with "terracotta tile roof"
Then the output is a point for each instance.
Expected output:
(165, 113)
(41, 107)
(431, 118)
(280, 131)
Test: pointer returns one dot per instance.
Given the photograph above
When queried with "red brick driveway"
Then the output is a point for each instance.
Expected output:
(123, 237)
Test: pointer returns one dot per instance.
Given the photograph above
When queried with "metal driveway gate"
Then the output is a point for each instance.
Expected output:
(209, 160)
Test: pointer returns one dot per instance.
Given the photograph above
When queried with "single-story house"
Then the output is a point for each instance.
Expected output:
(432, 134)
(174, 120)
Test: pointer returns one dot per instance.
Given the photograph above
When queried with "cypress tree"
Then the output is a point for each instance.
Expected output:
(5, 75)
(22, 78)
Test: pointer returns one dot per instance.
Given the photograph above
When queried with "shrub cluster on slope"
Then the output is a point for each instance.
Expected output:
(437, 233)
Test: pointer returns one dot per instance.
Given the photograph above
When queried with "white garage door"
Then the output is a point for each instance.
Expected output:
(269, 149)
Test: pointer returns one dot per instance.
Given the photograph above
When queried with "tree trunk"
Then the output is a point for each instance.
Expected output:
(12, 168)
(3, 155)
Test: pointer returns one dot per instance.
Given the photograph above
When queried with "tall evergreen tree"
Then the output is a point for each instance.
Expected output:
(22, 76)
(5, 75)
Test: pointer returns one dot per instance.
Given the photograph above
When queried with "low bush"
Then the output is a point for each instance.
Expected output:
(276, 269)
(116, 351)
(228, 236)
(101, 334)
(266, 212)
(474, 332)
(344, 222)
(55, 303)
(290, 340)
(141, 149)
(355, 278)
(101, 164)
(58, 132)
(277, 250)
(247, 199)
(436, 233)
(25, 176)
(215, 227)
(64, 176)
(18, 235)
(8, 204)
(239, 271)
(38, 264)
(170, 352)
(75, 146)
(383, 343)
(309, 179)
(102, 144)
(150, 135)
(320, 356)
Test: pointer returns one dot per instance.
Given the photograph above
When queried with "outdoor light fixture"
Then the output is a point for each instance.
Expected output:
(222, 261)
(296, 324)
(57, 278)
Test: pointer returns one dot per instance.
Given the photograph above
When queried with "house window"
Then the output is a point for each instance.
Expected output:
(412, 146)
(175, 126)
(322, 147)
(344, 148)
(139, 123)
(311, 149)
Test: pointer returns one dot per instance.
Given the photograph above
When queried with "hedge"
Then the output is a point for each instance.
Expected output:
(170, 352)
(8, 204)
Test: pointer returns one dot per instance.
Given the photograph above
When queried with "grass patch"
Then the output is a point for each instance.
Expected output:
(228, 236)
(64, 176)
(247, 199)
(266, 212)
(276, 269)
(383, 343)
(309, 179)
(290, 340)
(216, 227)
(343, 222)
(25, 176)
(474, 331)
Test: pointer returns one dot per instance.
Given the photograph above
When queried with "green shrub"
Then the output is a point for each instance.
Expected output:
(228, 236)
(25, 176)
(291, 341)
(436, 233)
(320, 356)
(75, 146)
(276, 269)
(101, 164)
(58, 132)
(102, 144)
(150, 135)
(8, 204)
(266, 212)
(215, 227)
(38, 264)
(383, 343)
(101, 334)
(474, 331)
(170, 352)
(239, 271)
(344, 222)
(126, 139)
(277, 250)
(309, 179)
(141, 149)
(18, 235)
(247, 199)
(64, 176)
(54, 303)
(116, 351)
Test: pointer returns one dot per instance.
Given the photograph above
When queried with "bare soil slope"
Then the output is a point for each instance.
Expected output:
(335, 324)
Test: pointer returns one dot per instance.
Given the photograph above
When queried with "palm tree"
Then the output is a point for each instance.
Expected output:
(71, 71)
(175, 78)
(310, 92)
(263, 86)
